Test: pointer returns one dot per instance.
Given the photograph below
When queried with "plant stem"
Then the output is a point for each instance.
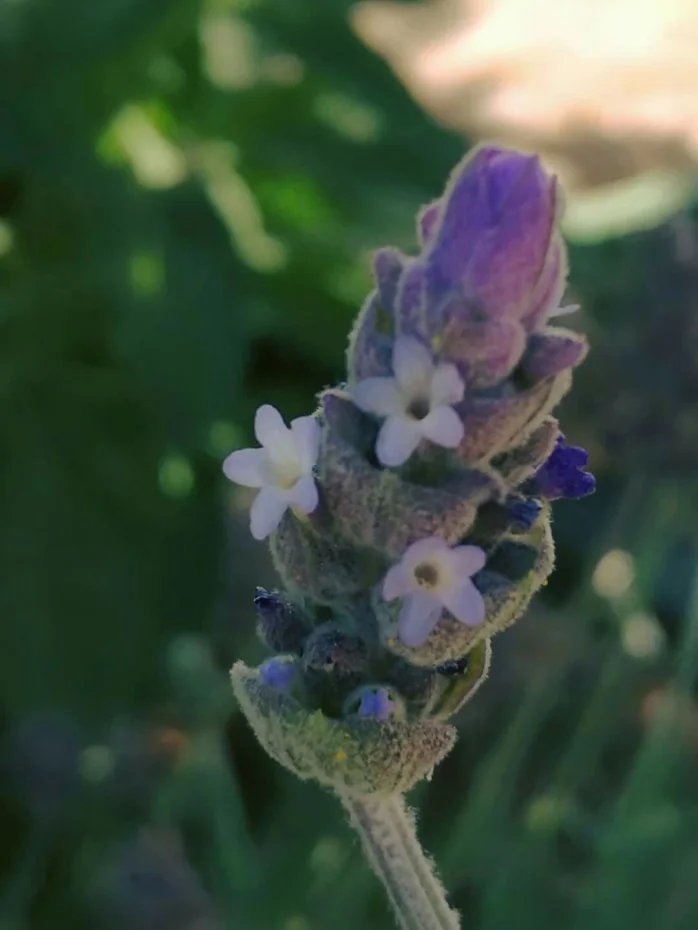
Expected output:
(387, 831)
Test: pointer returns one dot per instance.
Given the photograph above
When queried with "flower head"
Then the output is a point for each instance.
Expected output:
(416, 402)
(432, 576)
(282, 468)
(562, 474)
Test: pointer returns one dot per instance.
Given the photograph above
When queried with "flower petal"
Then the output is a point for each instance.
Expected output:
(306, 432)
(467, 560)
(443, 426)
(269, 426)
(246, 467)
(397, 440)
(412, 365)
(465, 602)
(304, 494)
(378, 395)
(431, 548)
(397, 582)
(447, 386)
(266, 512)
(418, 616)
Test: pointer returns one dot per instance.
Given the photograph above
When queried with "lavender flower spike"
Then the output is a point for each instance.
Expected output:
(436, 462)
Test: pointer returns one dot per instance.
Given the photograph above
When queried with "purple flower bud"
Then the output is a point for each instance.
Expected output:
(495, 235)
(376, 703)
(278, 672)
(551, 351)
(562, 474)
(524, 512)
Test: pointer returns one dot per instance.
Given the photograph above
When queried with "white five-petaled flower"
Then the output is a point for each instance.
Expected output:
(430, 576)
(282, 468)
(416, 402)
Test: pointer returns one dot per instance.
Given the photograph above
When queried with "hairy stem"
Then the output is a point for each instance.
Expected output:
(387, 831)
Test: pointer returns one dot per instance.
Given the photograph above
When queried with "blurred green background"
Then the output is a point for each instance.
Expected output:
(189, 194)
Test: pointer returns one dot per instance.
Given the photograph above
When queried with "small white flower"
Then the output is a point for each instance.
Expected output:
(429, 577)
(282, 468)
(416, 402)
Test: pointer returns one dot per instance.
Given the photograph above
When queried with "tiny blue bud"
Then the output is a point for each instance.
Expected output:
(376, 702)
(278, 672)
(562, 474)
(524, 512)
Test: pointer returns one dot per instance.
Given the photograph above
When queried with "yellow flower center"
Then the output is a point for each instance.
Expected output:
(418, 408)
(426, 574)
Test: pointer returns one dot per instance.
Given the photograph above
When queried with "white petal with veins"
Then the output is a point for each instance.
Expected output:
(266, 512)
(412, 364)
(467, 560)
(465, 603)
(443, 427)
(378, 395)
(246, 467)
(304, 495)
(306, 432)
(418, 616)
(269, 427)
(447, 386)
(397, 440)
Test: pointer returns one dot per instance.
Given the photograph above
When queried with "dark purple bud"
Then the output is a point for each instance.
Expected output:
(376, 703)
(562, 474)
(280, 624)
(278, 672)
